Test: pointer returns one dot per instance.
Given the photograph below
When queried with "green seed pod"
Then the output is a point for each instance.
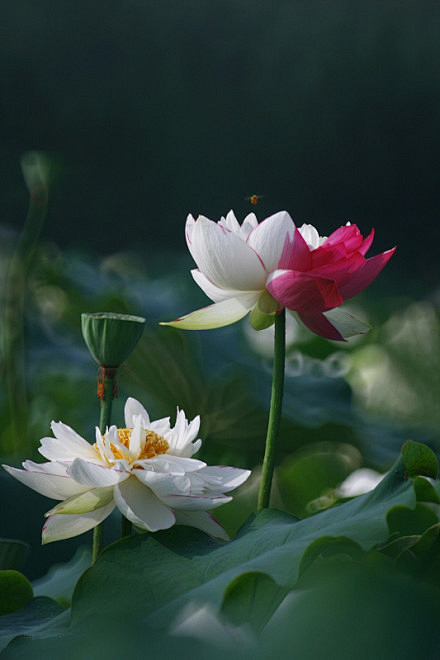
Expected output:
(111, 337)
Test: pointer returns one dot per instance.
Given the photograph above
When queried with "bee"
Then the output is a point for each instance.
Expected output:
(253, 199)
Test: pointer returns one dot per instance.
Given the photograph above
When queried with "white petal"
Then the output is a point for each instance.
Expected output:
(180, 438)
(137, 439)
(231, 223)
(55, 486)
(139, 504)
(217, 294)
(93, 475)
(222, 478)
(347, 324)
(172, 464)
(64, 527)
(104, 448)
(160, 426)
(195, 502)
(269, 238)
(202, 520)
(227, 260)
(213, 316)
(112, 438)
(95, 498)
(311, 236)
(66, 445)
(133, 409)
(164, 484)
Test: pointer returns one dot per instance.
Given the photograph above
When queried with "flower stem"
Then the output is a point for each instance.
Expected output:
(276, 403)
(108, 377)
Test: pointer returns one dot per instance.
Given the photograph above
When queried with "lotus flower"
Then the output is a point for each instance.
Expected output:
(234, 263)
(146, 470)
(322, 273)
(262, 268)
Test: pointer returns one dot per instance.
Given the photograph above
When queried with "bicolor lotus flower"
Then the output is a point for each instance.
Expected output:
(262, 268)
(324, 272)
(234, 263)
(145, 470)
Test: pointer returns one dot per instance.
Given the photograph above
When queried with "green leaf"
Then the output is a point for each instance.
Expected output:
(425, 491)
(406, 522)
(60, 580)
(12, 553)
(178, 566)
(419, 459)
(252, 598)
(30, 618)
(15, 591)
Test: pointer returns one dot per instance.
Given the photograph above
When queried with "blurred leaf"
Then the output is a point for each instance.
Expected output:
(419, 459)
(406, 522)
(251, 599)
(12, 553)
(307, 480)
(29, 619)
(15, 591)
(425, 491)
(60, 580)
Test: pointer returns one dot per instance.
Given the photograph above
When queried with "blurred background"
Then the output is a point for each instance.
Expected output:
(149, 111)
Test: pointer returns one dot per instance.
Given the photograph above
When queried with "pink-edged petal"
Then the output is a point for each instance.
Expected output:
(93, 475)
(172, 464)
(366, 274)
(140, 505)
(134, 409)
(60, 527)
(195, 502)
(222, 478)
(320, 325)
(367, 243)
(55, 486)
(66, 445)
(296, 255)
(303, 291)
(327, 254)
(349, 235)
(268, 239)
(225, 258)
(92, 499)
(340, 271)
(213, 316)
(202, 520)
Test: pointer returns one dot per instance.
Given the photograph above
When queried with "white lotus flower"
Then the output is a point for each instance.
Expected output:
(234, 263)
(145, 469)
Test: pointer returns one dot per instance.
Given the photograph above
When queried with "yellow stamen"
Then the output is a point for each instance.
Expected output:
(154, 444)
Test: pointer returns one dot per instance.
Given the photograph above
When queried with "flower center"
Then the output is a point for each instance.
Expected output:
(154, 445)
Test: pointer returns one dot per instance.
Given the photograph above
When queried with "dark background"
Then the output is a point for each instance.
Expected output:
(157, 109)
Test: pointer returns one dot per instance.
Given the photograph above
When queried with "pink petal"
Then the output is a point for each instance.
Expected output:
(366, 274)
(303, 291)
(340, 271)
(349, 235)
(367, 243)
(320, 325)
(297, 255)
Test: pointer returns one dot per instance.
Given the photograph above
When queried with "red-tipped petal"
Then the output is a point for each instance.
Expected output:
(320, 325)
(365, 275)
(303, 291)
(348, 234)
(296, 255)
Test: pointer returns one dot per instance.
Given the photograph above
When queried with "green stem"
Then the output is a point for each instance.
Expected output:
(109, 376)
(125, 527)
(276, 403)
(13, 317)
